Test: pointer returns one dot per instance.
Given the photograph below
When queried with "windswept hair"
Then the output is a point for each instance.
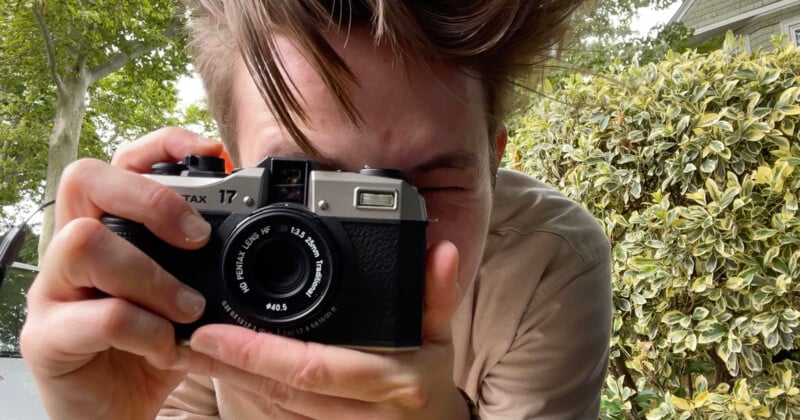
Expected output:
(502, 42)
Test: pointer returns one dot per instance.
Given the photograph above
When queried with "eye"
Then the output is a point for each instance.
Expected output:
(445, 181)
(440, 190)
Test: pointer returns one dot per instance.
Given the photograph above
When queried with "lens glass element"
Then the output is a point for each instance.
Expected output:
(282, 266)
(278, 267)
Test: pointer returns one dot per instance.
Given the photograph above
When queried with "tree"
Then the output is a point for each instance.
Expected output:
(83, 74)
(602, 33)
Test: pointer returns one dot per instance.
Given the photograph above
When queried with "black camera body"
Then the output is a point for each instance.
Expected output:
(324, 256)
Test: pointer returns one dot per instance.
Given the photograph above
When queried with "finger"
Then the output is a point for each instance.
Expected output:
(90, 188)
(270, 395)
(117, 268)
(165, 145)
(441, 292)
(328, 370)
(97, 326)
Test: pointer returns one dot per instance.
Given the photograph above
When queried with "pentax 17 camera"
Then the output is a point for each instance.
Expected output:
(324, 256)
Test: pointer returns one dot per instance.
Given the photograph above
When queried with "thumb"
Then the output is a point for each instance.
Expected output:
(441, 291)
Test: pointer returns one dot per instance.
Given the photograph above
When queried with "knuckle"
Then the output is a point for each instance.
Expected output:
(76, 175)
(158, 137)
(274, 391)
(123, 153)
(170, 132)
(172, 138)
(156, 280)
(160, 197)
(78, 239)
(29, 340)
(309, 371)
(266, 408)
(413, 395)
(115, 318)
(250, 356)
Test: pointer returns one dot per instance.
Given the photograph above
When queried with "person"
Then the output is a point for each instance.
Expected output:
(517, 287)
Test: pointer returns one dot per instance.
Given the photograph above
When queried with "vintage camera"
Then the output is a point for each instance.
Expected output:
(324, 256)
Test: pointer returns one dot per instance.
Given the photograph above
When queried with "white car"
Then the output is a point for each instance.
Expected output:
(18, 397)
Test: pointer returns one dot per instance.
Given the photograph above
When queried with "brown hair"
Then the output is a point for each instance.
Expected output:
(500, 41)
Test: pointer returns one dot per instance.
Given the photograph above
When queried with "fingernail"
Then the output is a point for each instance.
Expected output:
(191, 302)
(205, 345)
(194, 227)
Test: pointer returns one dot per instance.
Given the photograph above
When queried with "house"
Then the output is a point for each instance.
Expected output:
(754, 20)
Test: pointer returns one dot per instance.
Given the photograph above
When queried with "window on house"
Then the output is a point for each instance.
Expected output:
(795, 34)
(793, 30)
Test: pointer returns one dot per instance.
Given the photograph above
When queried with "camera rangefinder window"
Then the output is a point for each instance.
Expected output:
(376, 199)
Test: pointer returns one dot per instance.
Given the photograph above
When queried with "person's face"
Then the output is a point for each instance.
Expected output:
(427, 121)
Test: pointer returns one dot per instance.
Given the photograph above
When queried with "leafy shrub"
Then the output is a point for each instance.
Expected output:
(12, 308)
(692, 166)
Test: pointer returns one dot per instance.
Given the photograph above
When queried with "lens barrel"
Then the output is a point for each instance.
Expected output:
(278, 265)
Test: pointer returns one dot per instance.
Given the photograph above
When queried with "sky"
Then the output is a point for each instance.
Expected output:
(649, 18)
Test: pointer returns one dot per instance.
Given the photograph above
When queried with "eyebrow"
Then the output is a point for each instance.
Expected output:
(450, 160)
(323, 161)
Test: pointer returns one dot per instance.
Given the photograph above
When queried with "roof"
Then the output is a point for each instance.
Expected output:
(733, 22)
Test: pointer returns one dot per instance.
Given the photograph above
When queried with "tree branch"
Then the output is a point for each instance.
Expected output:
(721, 374)
(620, 369)
(139, 49)
(118, 61)
(48, 43)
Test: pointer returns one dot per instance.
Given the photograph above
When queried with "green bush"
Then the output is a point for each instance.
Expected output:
(692, 166)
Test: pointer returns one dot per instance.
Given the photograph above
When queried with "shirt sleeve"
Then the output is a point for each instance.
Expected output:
(556, 365)
(193, 399)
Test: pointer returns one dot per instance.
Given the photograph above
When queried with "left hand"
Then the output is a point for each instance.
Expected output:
(298, 380)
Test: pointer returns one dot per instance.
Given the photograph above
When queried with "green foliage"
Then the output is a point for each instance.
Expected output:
(198, 118)
(28, 253)
(600, 55)
(692, 166)
(606, 22)
(26, 109)
(12, 307)
(86, 36)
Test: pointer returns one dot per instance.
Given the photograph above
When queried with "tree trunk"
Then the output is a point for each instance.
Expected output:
(63, 145)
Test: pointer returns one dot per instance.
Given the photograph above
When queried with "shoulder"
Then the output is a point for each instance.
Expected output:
(545, 273)
(527, 209)
(541, 247)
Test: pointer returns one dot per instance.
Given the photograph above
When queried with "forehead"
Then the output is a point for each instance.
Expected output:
(406, 108)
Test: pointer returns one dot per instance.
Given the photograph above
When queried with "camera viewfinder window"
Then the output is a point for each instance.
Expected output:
(288, 181)
(376, 199)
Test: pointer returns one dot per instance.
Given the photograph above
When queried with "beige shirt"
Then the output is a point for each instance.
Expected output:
(531, 335)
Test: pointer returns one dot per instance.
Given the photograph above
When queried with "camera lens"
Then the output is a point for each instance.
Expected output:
(282, 267)
(278, 266)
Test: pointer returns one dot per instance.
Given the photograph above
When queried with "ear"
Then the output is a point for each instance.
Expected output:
(500, 142)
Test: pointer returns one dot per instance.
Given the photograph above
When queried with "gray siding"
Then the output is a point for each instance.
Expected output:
(707, 12)
(704, 13)
(762, 29)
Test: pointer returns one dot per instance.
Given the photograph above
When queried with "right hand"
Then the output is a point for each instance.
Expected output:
(98, 337)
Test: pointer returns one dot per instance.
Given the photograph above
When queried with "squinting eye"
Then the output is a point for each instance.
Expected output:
(436, 190)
